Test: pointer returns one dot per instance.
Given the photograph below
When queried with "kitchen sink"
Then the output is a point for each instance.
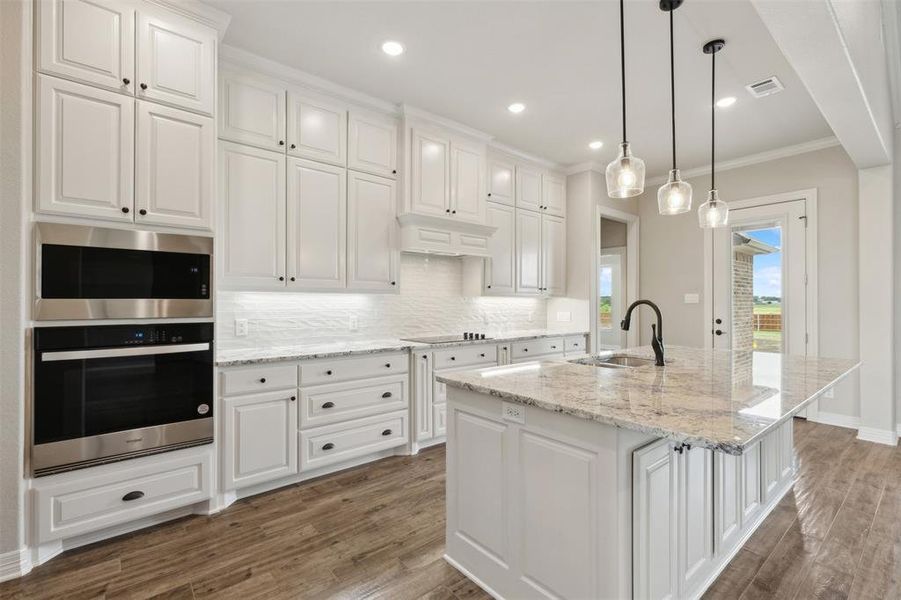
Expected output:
(615, 361)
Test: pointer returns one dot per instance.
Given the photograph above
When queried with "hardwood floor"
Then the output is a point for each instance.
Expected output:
(378, 532)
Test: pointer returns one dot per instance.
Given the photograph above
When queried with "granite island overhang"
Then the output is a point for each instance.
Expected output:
(567, 480)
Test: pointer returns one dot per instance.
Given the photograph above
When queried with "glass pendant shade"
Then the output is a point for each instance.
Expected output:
(674, 196)
(714, 212)
(625, 175)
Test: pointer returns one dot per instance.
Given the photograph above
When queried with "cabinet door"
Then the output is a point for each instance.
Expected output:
(500, 182)
(317, 221)
(175, 156)
(467, 190)
(655, 471)
(372, 144)
(316, 129)
(260, 438)
(787, 450)
(528, 188)
(176, 62)
(553, 255)
(88, 40)
(372, 225)
(553, 193)
(251, 112)
(752, 484)
(727, 501)
(500, 269)
(252, 217)
(695, 506)
(771, 459)
(84, 144)
(430, 175)
(422, 395)
(528, 252)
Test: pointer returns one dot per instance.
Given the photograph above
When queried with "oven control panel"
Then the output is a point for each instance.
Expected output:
(112, 336)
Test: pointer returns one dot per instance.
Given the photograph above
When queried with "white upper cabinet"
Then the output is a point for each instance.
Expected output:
(553, 255)
(500, 269)
(528, 188)
(176, 62)
(430, 174)
(501, 182)
(372, 144)
(528, 252)
(88, 40)
(251, 111)
(175, 162)
(317, 221)
(371, 233)
(251, 217)
(467, 187)
(84, 150)
(316, 129)
(553, 192)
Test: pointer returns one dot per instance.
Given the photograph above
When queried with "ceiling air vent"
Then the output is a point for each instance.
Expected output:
(767, 87)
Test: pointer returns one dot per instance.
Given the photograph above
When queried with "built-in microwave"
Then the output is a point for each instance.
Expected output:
(102, 273)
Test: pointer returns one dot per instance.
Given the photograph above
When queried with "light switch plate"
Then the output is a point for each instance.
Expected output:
(353, 323)
(692, 298)
(514, 412)
(241, 327)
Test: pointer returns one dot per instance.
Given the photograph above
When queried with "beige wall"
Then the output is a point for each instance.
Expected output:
(613, 234)
(672, 253)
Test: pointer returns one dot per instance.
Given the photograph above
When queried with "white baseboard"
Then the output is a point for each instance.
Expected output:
(880, 436)
(836, 419)
(14, 564)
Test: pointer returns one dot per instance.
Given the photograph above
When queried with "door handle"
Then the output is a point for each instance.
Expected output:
(719, 332)
(121, 352)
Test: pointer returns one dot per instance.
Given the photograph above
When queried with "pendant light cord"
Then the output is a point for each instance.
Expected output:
(712, 119)
(622, 58)
(672, 83)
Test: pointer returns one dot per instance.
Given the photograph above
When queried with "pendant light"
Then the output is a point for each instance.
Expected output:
(674, 196)
(625, 175)
(714, 212)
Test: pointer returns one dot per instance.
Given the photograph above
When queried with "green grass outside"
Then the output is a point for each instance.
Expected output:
(767, 309)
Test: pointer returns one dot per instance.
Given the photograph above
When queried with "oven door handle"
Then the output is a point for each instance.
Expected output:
(122, 352)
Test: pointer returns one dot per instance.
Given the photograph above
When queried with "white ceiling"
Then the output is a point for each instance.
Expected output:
(468, 60)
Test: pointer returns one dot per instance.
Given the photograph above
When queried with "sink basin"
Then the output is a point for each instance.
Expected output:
(616, 361)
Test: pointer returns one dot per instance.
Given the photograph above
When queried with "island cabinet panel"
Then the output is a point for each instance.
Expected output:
(770, 459)
(422, 381)
(752, 484)
(696, 517)
(728, 498)
(655, 471)
(559, 478)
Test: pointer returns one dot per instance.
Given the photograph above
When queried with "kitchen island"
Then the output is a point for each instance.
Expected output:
(584, 479)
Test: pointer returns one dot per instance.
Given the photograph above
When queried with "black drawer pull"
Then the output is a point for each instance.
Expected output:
(126, 80)
(453, 358)
(386, 395)
(143, 86)
(387, 365)
(482, 355)
(293, 398)
(525, 349)
(329, 372)
(135, 495)
(262, 380)
(328, 446)
(386, 432)
(553, 347)
(328, 405)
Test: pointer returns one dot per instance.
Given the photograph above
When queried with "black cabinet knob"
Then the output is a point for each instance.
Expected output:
(386, 395)
(328, 446)
(281, 278)
(292, 279)
(489, 287)
(553, 347)
(489, 194)
(262, 380)
(142, 212)
(386, 432)
(719, 321)
(503, 348)
(126, 80)
(425, 357)
(281, 142)
(394, 171)
(453, 358)
(329, 372)
(482, 355)
(135, 495)
(525, 349)
(387, 365)
(328, 405)
(293, 146)
(393, 283)
(719, 332)
(125, 209)
(453, 212)
(293, 398)
(143, 86)
(447, 210)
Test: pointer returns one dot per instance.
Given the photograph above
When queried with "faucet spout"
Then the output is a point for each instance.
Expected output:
(656, 329)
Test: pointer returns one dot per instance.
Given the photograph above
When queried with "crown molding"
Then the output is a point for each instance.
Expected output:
(197, 11)
(522, 155)
(232, 57)
(410, 111)
(591, 165)
(753, 159)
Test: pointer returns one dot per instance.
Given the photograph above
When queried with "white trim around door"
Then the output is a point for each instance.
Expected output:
(632, 239)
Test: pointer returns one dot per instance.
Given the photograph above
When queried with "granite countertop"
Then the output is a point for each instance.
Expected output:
(712, 398)
(250, 356)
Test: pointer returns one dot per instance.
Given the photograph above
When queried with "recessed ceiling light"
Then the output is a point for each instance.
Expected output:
(726, 102)
(392, 48)
(596, 144)
(516, 108)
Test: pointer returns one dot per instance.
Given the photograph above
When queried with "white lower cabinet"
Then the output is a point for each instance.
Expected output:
(539, 349)
(728, 500)
(261, 438)
(695, 518)
(655, 515)
(323, 446)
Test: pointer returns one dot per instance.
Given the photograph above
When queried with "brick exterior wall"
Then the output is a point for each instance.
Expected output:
(742, 302)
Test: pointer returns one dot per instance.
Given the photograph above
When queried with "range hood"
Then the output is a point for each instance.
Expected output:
(436, 235)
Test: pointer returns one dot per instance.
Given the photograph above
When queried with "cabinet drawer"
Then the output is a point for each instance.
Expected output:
(537, 348)
(91, 499)
(344, 441)
(343, 369)
(331, 403)
(465, 355)
(258, 379)
(574, 345)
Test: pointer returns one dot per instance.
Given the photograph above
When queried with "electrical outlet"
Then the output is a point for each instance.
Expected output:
(830, 393)
(241, 327)
(692, 298)
(564, 316)
(353, 323)
(531, 316)
(514, 412)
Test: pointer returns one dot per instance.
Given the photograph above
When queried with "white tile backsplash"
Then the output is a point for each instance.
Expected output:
(430, 302)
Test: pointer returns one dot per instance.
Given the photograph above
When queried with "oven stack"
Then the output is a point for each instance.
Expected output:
(103, 393)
